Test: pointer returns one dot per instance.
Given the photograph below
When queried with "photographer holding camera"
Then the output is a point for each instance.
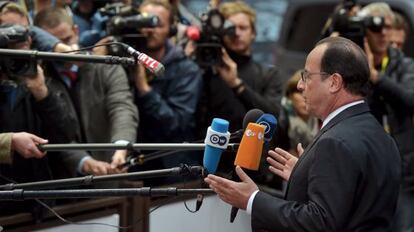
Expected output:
(28, 104)
(168, 102)
(241, 84)
(392, 98)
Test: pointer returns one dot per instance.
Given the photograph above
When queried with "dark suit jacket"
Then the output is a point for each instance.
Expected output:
(346, 180)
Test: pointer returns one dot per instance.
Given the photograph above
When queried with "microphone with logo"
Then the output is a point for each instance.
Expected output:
(249, 153)
(251, 116)
(151, 64)
(270, 123)
(217, 140)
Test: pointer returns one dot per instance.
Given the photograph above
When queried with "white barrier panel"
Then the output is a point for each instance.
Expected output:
(111, 220)
(213, 216)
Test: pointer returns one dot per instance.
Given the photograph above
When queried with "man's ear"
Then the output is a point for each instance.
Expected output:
(336, 82)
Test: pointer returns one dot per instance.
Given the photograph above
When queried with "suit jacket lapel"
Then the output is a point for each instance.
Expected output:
(347, 113)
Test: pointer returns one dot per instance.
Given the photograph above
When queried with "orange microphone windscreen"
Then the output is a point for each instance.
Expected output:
(250, 148)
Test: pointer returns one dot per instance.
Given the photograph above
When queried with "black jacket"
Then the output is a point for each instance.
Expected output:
(45, 118)
(263, 90)
(393, 97)
(347, 179)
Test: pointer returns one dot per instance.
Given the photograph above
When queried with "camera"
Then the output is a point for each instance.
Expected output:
(208, 47)
(15, 67)
(124, 24)
(354, 27)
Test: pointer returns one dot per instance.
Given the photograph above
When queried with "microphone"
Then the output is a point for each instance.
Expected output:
(136, 21)
(193, 33)
(217, 139)
(154, 66)
(252, 115)
(249, 153)
(270, 123)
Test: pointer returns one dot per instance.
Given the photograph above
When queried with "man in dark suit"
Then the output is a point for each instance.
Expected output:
(347, 179)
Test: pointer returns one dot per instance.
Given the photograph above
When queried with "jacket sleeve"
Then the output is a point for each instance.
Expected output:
(270, 100)
(58, 125)
(331, 186)
(173, 112)
(123, 113)
(398, 92)
(43, 40)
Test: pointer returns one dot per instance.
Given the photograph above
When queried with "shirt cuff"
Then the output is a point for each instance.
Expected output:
(80, 165)
(250, 202)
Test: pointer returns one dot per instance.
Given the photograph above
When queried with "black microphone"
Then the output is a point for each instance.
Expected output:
(251, 116)
(151, 64)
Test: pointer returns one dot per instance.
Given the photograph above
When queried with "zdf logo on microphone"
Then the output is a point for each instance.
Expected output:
(251, 133)
(217, 139)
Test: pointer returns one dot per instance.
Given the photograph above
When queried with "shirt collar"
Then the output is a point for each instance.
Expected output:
(339, 110)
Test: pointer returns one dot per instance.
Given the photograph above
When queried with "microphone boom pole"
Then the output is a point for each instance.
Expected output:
(89, 180)
(21, 194)
(129, 146)
(34, 55)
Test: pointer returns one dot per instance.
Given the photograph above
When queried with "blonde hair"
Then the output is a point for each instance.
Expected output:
(14, 8)
(377, 9)
(231, 8)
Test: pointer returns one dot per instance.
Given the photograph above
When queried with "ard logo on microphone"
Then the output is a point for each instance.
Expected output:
(217, 139)
(267, 126)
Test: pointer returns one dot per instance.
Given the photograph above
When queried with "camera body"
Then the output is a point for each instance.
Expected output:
(15, 67)
(208, 47)
(124, 24)
(355, 27)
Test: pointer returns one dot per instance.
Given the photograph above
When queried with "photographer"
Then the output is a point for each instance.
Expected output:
(392, 102)
(100, 95)
(241, 84)
(28, 104)
(167, 103)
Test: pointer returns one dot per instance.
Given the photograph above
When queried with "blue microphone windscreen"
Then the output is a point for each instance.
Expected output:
(270, 122)
(220, 125)
(212, 154)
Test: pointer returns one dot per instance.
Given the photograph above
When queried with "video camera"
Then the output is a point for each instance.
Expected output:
(354, 27)
(124, 24)
(208, 46)
(15, 67)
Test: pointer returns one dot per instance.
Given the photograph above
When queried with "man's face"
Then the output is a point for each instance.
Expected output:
(315, 87)
(379, 41)
(397, 38)
(244, 36)
(156, 37)
(13, 18)
(67, 33)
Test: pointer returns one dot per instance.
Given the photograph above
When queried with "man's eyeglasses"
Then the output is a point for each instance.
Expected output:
(305, 75)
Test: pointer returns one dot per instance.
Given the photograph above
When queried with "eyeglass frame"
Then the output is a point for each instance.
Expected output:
(304, 78)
